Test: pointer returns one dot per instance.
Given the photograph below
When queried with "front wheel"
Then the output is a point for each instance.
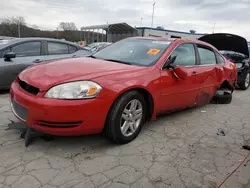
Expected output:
(245, 84)
(126, 117)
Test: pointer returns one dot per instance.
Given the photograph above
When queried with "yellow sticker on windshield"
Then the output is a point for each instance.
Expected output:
(153, 51)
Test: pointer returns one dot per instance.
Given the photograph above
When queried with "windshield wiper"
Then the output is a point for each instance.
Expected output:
(117, 61)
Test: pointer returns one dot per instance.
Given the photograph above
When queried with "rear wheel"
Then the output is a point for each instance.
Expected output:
(126, 118)
(222, 97)
(245, 84)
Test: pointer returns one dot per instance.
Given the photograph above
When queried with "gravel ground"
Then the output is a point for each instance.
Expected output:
(193, 148)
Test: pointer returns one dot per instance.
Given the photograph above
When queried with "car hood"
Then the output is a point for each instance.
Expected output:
(46, 75)
(228, 42)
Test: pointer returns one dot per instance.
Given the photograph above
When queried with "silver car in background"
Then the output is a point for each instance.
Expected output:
(19, 53)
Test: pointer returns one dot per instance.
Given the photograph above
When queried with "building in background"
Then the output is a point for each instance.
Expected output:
(109, 32)
(161, 32)
(119, 31)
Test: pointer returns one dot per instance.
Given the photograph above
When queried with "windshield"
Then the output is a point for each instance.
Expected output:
(142, 52)
(4, 42)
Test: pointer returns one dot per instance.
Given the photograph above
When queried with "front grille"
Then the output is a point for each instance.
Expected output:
(19, 110)
(29, 88)
(59, 124)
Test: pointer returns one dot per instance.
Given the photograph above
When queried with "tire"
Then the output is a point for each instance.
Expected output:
(244, 85)
(222, 98)
(115, 120)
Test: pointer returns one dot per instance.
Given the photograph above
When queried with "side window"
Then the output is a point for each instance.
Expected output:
(207, 56)
(220, 59)
(55, 48)
(72, 49)
(27, 49)
(185, 55)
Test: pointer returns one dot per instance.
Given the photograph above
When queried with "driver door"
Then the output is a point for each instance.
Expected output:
(177, 93)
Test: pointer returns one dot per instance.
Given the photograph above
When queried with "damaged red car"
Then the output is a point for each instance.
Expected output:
(121, 87)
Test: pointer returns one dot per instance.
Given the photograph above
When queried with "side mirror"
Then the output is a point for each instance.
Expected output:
(180, 72)
(169, 63)
(8, 56)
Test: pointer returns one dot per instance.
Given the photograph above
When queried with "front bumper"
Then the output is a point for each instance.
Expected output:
(59, 117)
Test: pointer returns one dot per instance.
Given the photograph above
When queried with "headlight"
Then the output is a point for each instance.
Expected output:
(239, 65)
(74, 90)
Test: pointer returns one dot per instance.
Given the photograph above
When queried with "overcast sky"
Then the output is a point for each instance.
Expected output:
(231, 16)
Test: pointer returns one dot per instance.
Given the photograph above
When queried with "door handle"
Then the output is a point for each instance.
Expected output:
(37, 61)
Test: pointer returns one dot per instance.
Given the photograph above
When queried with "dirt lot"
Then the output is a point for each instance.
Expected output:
(189, 149)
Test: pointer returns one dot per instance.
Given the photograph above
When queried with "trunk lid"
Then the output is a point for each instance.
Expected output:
(227, 42)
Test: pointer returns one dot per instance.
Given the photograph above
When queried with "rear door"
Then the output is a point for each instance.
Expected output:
(27, 53)
(209, 73)
(60, 50)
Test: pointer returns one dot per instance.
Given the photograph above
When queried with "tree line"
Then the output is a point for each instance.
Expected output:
(15, 26)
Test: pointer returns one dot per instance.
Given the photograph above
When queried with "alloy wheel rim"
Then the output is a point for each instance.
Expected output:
(247, 80)
(131, 117)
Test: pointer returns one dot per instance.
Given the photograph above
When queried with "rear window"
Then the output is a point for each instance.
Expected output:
(72, 49)
(220, 59)
(56, 48)
(141, 52)
(207, 56)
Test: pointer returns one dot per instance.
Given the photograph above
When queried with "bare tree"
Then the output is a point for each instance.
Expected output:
(13, 25)
(68, 26)
(17, 20)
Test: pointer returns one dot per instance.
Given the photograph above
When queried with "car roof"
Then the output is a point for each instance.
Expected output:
(197, 42)
(178, 40)
(17, 40)
(154, 38)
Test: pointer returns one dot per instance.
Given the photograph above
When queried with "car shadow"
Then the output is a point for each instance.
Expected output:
(70, 144)
(91, 144)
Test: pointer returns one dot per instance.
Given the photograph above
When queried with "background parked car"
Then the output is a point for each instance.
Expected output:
(234, 48)
(17, 54)
(97, 46)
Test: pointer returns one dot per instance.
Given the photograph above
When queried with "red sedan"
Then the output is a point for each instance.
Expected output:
(121, 87)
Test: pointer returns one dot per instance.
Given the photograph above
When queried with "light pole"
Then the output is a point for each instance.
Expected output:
(19, 32)
(141, 21)
(214, 27)
(153, 15)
